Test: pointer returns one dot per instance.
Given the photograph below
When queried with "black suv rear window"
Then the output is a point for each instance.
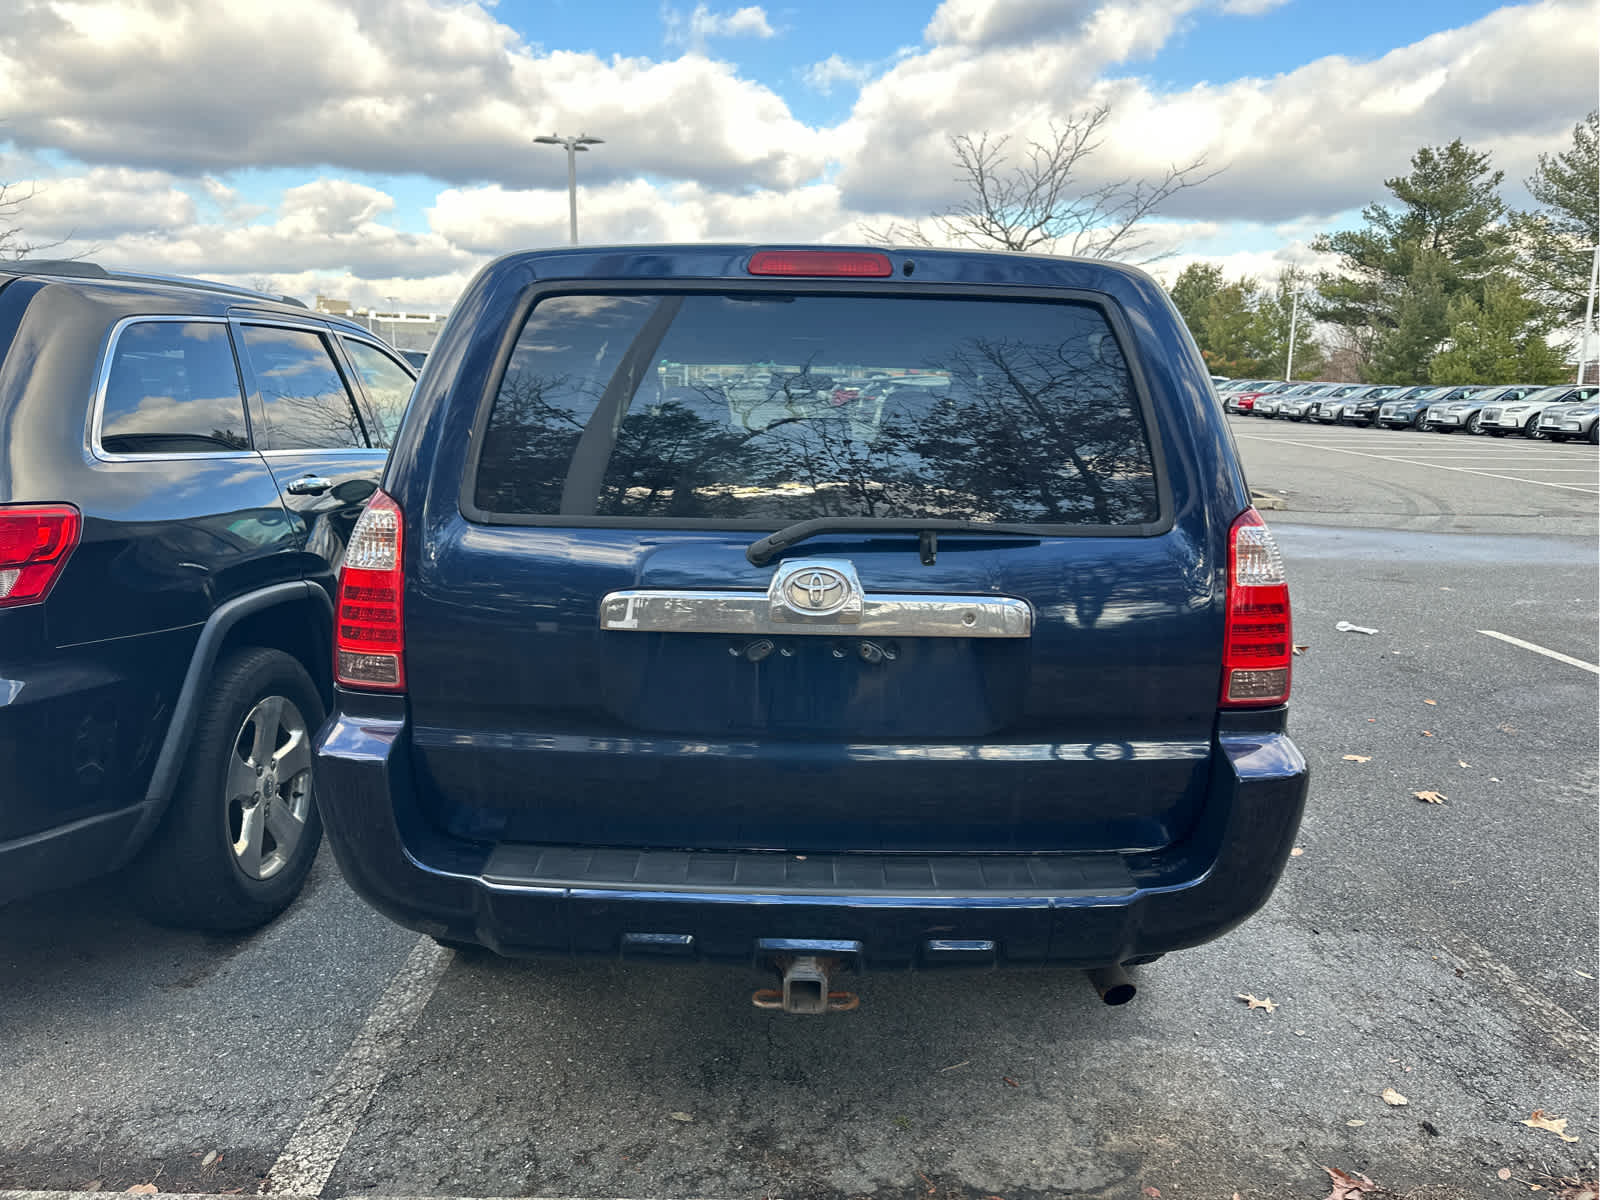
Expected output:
(775, 408)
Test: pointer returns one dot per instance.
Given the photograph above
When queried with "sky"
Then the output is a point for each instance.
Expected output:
(381, 151)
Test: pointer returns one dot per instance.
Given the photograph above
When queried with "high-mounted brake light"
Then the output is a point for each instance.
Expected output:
(853, 264)
(1258, 642)
(368, 634)
(35, 542)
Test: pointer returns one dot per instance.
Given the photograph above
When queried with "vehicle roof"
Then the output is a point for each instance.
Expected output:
(730, 261)
(200, 296)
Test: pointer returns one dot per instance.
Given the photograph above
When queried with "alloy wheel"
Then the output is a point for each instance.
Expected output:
(269, 793)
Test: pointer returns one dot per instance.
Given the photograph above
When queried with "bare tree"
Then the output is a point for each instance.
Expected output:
(1036, 204)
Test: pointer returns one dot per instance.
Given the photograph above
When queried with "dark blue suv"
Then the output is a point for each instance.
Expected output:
(659, 641)
(180, 465)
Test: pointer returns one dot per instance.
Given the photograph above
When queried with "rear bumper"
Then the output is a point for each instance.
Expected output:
(78, 734)
(1071, 911)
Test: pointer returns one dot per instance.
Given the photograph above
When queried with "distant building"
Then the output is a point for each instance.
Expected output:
(402, 330)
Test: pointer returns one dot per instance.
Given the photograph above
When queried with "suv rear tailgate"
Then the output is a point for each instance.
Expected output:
(640, 440)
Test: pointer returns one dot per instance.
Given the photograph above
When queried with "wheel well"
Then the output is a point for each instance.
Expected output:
(298, 629)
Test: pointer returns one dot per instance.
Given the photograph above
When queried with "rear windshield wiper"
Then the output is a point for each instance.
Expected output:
(762, 551)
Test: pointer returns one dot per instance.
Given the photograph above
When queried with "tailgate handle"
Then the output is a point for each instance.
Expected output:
(815, 596)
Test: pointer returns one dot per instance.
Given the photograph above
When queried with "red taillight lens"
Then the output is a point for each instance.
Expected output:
(368, 634)
(35, 541)
(1258, 642)
(855, 264)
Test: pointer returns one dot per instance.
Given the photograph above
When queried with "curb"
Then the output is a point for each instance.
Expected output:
(1266, 500)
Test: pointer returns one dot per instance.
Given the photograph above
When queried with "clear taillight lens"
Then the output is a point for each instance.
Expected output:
(369, 634)
(1258, 643)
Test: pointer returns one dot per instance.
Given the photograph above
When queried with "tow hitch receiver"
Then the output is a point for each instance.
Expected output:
(806, 987)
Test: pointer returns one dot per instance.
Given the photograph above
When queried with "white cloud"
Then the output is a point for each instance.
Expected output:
(822, 76)
(694, 151)
(1316, 140)
(384, 86)
(702, 24)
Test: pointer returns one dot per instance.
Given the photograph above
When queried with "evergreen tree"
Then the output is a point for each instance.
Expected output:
(1398, 273)
(1501, 340)
(1555, 239)
(1191, 293)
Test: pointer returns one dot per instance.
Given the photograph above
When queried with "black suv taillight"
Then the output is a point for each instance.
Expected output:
(35, 542)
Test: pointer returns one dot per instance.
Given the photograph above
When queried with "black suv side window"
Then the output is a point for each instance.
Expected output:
(173, 388)
(387, 386)
(307, 405)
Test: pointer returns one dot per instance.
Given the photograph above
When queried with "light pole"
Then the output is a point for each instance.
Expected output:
(1294, 320)
(1588, 315)
(573, 145)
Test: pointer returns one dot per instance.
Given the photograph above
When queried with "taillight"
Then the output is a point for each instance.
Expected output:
(1258, 642)
(368, 635)
(856, 264)
(35, 541)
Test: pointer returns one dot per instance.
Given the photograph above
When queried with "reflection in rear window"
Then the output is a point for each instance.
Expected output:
(773, 408)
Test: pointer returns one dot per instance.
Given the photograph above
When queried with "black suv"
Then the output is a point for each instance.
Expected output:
(182, 464)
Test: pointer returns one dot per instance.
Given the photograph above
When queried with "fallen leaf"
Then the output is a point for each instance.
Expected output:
(1299, 850)
(1269, 1004)
(1494, 779)
(143, 1189)
(1431, 797)
(1348, 1187)
(680, 1116)
(1585, 975)
(1435, 703)
(94, 1185)
(1427, 733)
(1463, 766)
(1571, 1189)
(1150, 1191)
(1355, 1124)
(1555, 1125)
(1390, 1096)
(211, 1157)
(1301, 649)
(1504, 1172)
(1010, 1082)
(1358, 758)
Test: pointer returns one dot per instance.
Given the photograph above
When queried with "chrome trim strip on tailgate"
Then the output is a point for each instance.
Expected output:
(651, 611)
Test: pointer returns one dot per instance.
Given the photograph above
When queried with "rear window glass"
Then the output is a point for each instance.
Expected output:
(173, 388)
(778, 408)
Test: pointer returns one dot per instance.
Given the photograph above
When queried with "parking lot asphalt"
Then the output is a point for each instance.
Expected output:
(1446, 951)
(1433, 482)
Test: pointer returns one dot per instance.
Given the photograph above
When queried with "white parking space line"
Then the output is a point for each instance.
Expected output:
(1544, 650)
(1566, 487)
(314, 1150)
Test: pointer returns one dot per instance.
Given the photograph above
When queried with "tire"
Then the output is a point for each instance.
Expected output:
(1416, 423)
(1532, 430)
(1594, 434)
(223, 859)
(1473, 424)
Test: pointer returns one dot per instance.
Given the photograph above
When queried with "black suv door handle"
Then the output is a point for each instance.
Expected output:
(310, 485)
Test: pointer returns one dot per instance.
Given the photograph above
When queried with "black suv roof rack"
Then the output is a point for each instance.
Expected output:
(77, 269)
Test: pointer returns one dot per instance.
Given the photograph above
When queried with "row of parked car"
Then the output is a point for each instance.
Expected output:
(1558, 413)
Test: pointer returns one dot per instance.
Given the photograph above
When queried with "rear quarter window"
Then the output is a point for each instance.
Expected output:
(172, 387)
(771, 408)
